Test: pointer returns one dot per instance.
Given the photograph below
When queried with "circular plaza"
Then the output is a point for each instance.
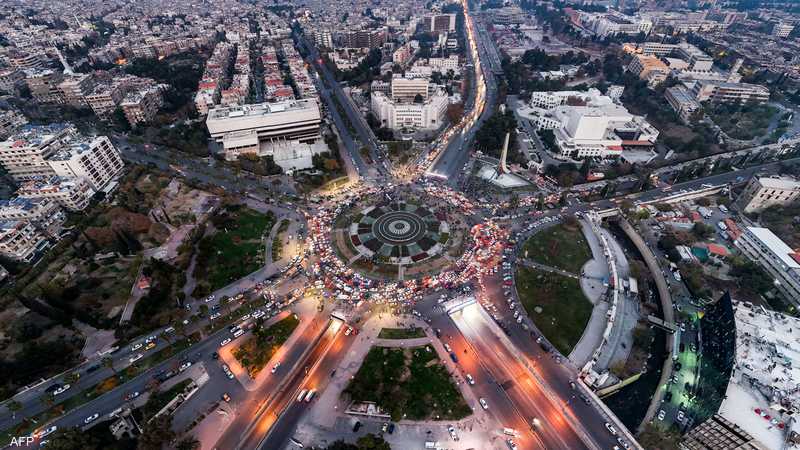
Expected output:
(399, 233)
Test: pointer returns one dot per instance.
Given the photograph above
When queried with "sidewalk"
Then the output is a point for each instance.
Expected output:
(326, 421)
(593, 289)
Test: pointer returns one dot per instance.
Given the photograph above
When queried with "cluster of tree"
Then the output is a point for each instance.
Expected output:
(191, 138)
(365, 71)
(161, 303)
(181, 72)
(326, 162)
(750, 276)
(539, 60)
(259, 165)
(491, 136)
(519, 78)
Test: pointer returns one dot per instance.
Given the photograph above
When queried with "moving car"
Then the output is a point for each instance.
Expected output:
(91, 418)
(226, 397)
(225, 342)
(470, 380)
(611, 428)
(61, 389)
(135, 357)
(275, 367)
(483, 403)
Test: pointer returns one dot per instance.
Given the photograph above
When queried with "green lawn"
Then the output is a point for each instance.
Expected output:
(256, 352)
(408, 383)
(235, 250)
(565, 310)
(401, 333)
(561, 246)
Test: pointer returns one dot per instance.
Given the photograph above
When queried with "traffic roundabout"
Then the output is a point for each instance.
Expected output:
(399, 233)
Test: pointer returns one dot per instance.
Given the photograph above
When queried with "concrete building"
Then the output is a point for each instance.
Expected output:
(75, 88)
(104, 98)
(609, 24)
(782, 30)
(406, 89)
(437, 23)
(763, 192)
(649, 68)
(21, 241)
(588, 124)
(73, 194)
(726, 92)
(395, 115)
(141, 106)
(10, 79)
(44, 86)
(719, 433)
(24, 154)
(10, 122)
(778, 259)
(58, 149)
(45, 214)
(682, 101)
(362, 38)
(94, 159)
(255, 129)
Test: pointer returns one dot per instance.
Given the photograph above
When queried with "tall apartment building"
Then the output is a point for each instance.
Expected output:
(763, 192)
(437, 23)
(44, 86)
(649, 68)
(362, 38)
(104, 98)
(73, 194)
(75, 88)
(10, 78)
(20, 240)
(141, 106)
(45, 214)
(10, 122)
(23, 60)
(782, 30)
(778, 259)
(95, 160)
(58, 149)
(726, 92)
(682, 101)
(718, 433)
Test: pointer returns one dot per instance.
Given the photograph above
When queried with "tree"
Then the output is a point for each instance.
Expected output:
(656, 438)
(73, 439)
(14, 406)
(108, 362)
(418, 98)
(188, 443)
(157, 433)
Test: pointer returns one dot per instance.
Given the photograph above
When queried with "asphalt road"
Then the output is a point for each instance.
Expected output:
(318, 378)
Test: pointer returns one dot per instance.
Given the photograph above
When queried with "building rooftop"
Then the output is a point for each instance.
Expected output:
(766, 379)
(781, 182)
(259, 109)
(36, 135)
(775, 245)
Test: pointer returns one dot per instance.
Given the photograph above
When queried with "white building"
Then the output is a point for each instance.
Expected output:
(406, 89)
(782, 30)
(778, 259)
(20, 240)
(95, 160)
(682, 101)
(588, 124)
(763, 192)
(45, 214)
(58, 149)
(71, 193)
(427, 115)
(264, 128)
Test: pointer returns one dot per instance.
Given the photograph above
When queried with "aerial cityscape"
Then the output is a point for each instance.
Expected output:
(364, 224)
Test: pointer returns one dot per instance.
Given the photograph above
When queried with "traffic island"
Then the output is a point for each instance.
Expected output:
(411, 384)
(562, 246)
(259, 348)
(556, 305)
